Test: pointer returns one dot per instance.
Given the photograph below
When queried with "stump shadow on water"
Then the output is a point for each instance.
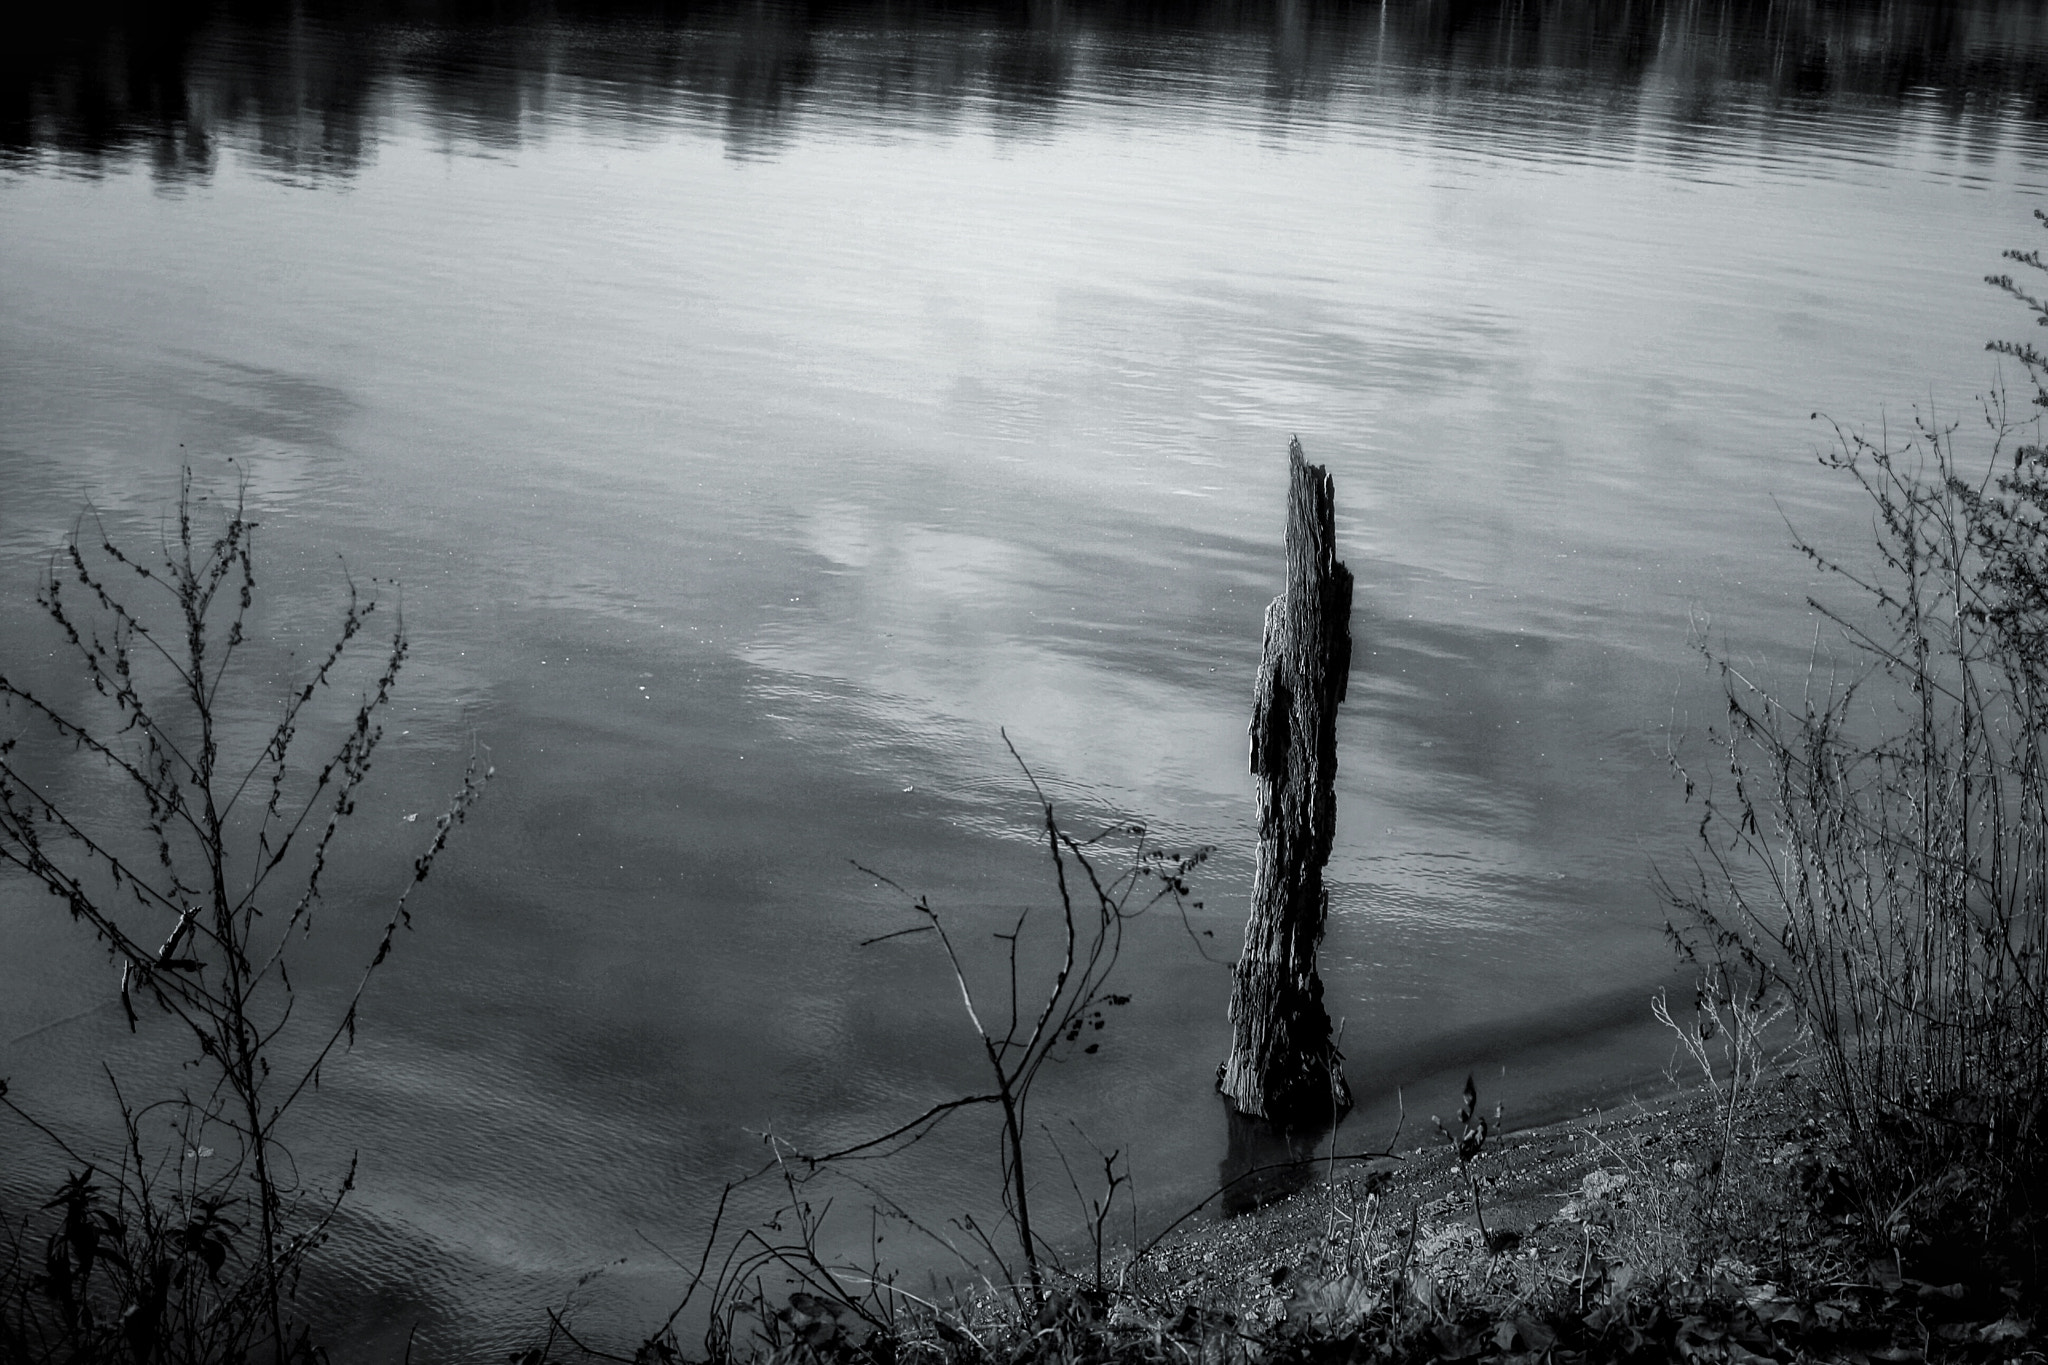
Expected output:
(1264, 1161)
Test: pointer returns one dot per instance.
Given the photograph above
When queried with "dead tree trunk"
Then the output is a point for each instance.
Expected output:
(1282, 1065)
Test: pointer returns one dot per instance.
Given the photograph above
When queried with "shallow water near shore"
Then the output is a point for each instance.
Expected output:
(766, 408)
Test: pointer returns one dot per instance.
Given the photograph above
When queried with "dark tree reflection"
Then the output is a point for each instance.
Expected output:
(300, 87)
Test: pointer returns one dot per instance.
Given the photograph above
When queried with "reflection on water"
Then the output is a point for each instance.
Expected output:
(762, 404)
(1264, 1162)
(305, 88)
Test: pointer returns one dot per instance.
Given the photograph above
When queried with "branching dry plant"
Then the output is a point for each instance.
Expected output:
(1879, 843)
(776, 1285)
(197, 856)
(1019, 1041)
(1468, 1144)
(1733, 1041)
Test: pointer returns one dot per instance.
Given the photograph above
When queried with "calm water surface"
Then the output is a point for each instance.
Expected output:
(764, 408)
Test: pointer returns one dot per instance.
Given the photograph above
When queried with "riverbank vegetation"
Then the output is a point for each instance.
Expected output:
(197, 857)
(1853, 1171)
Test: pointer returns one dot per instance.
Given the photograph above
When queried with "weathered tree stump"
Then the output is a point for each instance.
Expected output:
(1283, 1066)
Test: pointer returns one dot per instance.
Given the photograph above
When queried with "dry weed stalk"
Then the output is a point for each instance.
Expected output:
(1880, 844)
(199, 864)
(1729, 1041)
(1020, 1042)
(818, 1304)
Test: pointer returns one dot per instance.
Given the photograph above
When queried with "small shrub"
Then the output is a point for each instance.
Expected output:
(1469, 1144)
(198, 862)
(1731, 1042)
(1881, 849)
(774, 1293)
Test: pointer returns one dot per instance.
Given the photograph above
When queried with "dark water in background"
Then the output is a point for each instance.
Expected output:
(761, 405)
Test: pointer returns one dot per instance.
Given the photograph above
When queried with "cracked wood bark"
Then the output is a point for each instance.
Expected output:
(1283, 1066)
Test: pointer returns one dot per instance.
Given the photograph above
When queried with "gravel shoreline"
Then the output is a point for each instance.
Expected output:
(1248, 1264)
